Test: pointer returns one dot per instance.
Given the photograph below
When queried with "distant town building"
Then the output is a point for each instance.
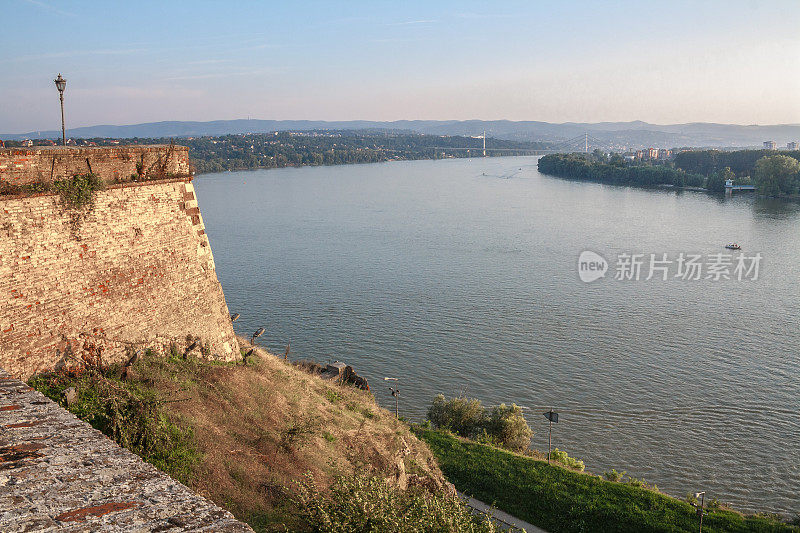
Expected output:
(664, 153)
(791, 145)
(27, 142)
(652, 153)
(770, 145)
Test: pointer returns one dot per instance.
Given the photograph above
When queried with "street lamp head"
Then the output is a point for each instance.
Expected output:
(61, 83)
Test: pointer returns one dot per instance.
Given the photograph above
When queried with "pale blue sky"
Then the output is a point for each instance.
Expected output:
(142, 61)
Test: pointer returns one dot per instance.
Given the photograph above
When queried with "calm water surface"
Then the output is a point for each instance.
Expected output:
(461, 276)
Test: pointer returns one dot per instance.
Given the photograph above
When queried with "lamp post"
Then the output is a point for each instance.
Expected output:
(552, 416)
(61, 84)
(256, 335)
(395, 393)
(700, 511)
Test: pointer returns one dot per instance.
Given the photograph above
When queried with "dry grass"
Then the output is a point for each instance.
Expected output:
(263, 425)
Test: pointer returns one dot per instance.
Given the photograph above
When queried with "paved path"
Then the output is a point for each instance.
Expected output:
(57, 473)
(502, 519)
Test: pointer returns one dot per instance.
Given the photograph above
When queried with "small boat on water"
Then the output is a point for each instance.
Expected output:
(733, 246)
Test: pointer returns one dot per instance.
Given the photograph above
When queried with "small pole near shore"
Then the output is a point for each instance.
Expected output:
(702, 496)
(396, 394)
(552, 416)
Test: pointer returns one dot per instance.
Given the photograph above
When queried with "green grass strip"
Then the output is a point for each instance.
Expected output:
(559, 500)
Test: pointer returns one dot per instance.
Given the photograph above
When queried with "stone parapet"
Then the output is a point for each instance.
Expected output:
(57, 473)
(45, 164)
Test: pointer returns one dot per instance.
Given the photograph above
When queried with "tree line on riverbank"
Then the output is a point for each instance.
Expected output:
(772, 174)
(740, 162)
(615, 170)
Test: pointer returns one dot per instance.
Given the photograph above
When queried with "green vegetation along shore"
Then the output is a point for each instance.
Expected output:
(615, 170)
(561, 500)
(773, 174)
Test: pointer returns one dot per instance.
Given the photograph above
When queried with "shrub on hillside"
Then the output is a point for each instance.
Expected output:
(561, 456)
(508, 428)
(503, 426)
(463, 416)
(367, 503)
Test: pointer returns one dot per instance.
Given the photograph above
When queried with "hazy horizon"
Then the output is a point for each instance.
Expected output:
(675, 63)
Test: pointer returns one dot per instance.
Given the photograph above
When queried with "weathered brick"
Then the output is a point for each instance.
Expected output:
(46, 163)
(134, 272)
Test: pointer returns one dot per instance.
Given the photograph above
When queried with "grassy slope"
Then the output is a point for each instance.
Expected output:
(255, 429)
(560, 500)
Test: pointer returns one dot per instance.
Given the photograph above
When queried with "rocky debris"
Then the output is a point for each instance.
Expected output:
(343, 373)
(57, 473)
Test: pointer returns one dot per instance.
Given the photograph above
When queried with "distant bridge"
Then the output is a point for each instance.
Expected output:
(581, 143)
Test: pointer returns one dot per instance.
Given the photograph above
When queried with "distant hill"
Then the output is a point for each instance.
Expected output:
(612, 134)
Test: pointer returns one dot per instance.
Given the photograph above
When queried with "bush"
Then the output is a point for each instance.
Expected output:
(78, 191)
(508, 428)
(503, 426)
(463, 416)
(367, 503)
(561, 456)
(613, 475)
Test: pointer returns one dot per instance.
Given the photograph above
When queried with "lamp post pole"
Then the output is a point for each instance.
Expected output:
(61, 84)
(702, 496)
(396, 393)
(552, 416)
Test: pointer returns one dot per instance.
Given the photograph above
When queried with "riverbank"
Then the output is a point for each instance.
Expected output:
(616, 171)
(561, 500)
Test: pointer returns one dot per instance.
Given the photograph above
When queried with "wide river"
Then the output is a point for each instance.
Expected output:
(461, 277)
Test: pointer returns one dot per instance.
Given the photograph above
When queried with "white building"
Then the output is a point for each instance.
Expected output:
(770, 145)
(791, 145)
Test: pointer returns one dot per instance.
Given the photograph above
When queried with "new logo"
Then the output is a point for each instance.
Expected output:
(591, 266)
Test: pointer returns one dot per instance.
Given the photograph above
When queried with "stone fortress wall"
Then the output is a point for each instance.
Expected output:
(43, 164)
(133, 271)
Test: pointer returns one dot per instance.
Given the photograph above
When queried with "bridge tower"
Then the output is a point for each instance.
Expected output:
(484, 143)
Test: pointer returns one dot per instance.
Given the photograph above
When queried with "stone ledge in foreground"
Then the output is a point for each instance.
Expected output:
(57, 473)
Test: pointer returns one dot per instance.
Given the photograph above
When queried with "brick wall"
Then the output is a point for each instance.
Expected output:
(137, 268)
(20, 166)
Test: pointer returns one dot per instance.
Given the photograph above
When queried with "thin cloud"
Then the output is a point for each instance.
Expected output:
(213, 75)
(411, 22)
(50, 8)
(208, 62)
(73, 53)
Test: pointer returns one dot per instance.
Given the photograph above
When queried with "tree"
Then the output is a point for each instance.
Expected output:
(777, 175)
(508, 428)
(463, 416)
